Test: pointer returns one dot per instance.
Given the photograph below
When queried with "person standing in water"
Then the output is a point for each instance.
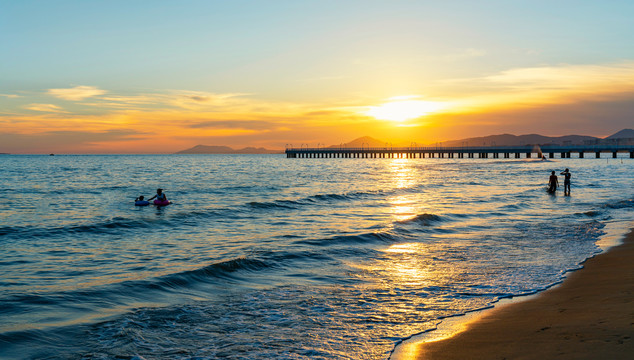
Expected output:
(553, 183)
(567, 176)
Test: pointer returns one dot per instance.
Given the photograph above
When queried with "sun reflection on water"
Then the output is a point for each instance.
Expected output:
(404, 175)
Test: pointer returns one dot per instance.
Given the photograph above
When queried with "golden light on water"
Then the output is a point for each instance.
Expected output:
(408, 271)
(402, 207)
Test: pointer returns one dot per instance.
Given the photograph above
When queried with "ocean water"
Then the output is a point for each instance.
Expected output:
(263, 257)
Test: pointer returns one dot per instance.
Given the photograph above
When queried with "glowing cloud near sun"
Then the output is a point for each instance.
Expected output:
(403, 108)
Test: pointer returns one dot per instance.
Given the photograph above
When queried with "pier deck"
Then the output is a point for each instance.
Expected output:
(506, 152)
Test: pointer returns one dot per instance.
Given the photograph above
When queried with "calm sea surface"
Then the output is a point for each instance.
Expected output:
(263, 257)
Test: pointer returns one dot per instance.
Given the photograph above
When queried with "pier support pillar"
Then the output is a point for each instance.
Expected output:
(598, 154)
(528, 155)
(631, 154)
(551, 155)
(517, 155)
(614, 155)
(580, 154)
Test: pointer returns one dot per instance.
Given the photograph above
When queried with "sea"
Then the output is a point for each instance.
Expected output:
(264, 257)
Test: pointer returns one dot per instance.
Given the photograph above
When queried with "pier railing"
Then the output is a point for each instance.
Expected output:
(525, 151)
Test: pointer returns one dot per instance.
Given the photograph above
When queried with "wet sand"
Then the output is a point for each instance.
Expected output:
(589, 316)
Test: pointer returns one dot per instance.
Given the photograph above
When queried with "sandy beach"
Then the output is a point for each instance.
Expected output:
(589, 316)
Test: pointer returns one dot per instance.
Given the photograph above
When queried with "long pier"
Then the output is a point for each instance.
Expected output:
(506, 152)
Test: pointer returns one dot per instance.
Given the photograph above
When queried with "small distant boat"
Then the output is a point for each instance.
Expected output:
(51, 154)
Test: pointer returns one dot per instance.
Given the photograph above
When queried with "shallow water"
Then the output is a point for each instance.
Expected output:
(260, 256)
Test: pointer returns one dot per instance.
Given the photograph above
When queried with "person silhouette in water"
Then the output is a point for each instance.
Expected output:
(553, 183)
(567, 176)
(160, 196)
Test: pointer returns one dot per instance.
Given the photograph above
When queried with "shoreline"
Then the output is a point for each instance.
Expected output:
(590, 314)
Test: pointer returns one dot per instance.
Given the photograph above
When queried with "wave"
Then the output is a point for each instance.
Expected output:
(396, 232)
(422, 219)
(591, 213)
(277, 204)
(117, 224)
(114, 295)
(207, 274)
(309, 200)
(330, 197)
(604, 209)
(102, 227)
(620, 204)
(374, 237)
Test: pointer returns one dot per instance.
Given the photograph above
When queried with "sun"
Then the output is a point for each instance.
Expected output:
(403, 108)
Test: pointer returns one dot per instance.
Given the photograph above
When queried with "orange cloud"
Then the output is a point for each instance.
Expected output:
(552, 100)
(77, 93)
(45, 108)
(523, 87)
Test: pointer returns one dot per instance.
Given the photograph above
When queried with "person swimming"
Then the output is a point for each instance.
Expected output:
(140, 201)
(160, 197)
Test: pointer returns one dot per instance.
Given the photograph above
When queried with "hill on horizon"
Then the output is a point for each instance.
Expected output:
(625, 136)
(364, 141)
(211, 149)
(536, 139)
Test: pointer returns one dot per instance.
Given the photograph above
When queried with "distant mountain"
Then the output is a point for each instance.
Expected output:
(515, 140)
(623, 134)
(622, 137)
(207, 149)
(364, 141)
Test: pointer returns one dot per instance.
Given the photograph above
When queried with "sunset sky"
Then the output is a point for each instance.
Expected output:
(163, 76)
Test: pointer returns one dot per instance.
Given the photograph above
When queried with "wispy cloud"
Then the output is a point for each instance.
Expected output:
(45, 108)
(10, 96)
(197, 100)
(76, 93)
(233, 124)
(575, 77)
(175, 100)
(548, 85)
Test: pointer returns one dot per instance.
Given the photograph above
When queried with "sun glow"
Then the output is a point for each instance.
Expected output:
(404, 108)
